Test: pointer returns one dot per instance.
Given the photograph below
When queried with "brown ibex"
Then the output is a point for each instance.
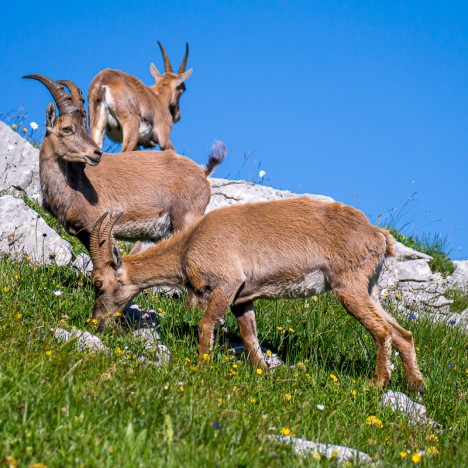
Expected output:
(279, 249)
(132, 113)
(157, 192)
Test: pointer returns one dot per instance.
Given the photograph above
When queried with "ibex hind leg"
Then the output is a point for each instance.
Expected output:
(353, 294)
(402, 341)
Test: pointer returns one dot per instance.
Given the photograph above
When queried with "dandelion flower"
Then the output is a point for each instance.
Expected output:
(48, 353)
(259, 371)
(34, 125)
(416, 457)
(403, 454)
(95, 321)
(261, 174)
(252, 399)
(353, 392)
(18, 315)
(334, 378)
(285, 431)
(187, 359)
(287, 397)
(58, 293)
(206, 357)
(374, 421)
(291, 330)
(279, 328)
(118, 314)
(268, 353)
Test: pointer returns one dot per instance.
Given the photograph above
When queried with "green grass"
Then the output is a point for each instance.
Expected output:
(63, 407)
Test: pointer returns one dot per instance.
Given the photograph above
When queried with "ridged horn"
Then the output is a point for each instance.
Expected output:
(184, 61)
(107, 231)
(61, 98)
(94, 241)
(76, 94)
(167, 62)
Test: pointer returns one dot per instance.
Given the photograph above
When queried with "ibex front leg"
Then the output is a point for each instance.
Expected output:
(245, 314)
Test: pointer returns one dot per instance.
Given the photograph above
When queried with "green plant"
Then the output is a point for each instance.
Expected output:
(19, 122)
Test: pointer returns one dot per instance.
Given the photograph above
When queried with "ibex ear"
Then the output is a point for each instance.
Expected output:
(183, 76)
(154, 71)
(116, 258)
(50, 114)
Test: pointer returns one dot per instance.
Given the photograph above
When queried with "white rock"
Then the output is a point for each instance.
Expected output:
(459, 278)
(415, 412)
(226, 192)
(413, 270)
(403, 253)
(25, 233)
(337, 452)
(19, 165)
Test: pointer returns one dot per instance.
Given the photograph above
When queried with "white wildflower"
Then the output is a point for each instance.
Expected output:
(262, 174)
(58, 293)
(320, 407)
(34, 125)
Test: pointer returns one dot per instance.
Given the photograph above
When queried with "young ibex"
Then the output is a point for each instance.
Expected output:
(279, 249)
(132, 113)
(157, 192)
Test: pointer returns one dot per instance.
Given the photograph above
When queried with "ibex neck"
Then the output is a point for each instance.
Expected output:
(157, 266)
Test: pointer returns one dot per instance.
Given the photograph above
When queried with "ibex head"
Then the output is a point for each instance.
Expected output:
(174, 82)
(108, 275)
(68, 132)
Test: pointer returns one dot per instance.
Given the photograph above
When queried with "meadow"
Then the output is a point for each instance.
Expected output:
(63, 407)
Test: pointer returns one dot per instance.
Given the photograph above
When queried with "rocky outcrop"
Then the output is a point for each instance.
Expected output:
(19, 165)
(25, 234)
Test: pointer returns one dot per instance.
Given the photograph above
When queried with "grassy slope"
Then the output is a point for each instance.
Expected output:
(63, 407)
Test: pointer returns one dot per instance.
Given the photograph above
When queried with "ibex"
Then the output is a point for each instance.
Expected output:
(278, 249)
(132, 113)
(156, 192)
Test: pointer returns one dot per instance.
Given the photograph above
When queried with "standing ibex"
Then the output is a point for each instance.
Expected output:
(157, 192)
(279, 249)
(132, 113)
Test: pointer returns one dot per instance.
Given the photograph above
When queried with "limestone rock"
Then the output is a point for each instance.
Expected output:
(25, 233)
(413, 270)
(403, 253)
(226, 192)
(19, 165)
(335, 452)
(459, 278)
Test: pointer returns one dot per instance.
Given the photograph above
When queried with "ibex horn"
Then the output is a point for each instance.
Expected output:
(76, 94)
(167, 62)
(94, 241)
(184, 61)
(62, 99)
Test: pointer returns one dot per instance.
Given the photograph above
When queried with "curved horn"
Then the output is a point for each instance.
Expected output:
(167, 62)
(62, 99)
(76, 94)
(107, 232)
(94, 247)
(184, 61)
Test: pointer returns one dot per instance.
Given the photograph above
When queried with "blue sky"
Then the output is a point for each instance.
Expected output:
(366, 102)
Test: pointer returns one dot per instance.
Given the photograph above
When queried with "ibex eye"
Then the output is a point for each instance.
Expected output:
(67, 130)
(98, 284)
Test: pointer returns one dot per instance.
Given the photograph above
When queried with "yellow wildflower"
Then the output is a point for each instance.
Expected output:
(17, 277)
(286, 431)
(268, 352)
(279, 328)
(403, 454)
(118, 314)
(259, 371)
(37, 465)
(432, 451)
(432, 438)
(14, 127)
(234, 366)
(48, 353)
(111, 448)
(287, 396)
(118, 351)
(95, 321)
(353, 392)
(193, 368)
(25, 130)
(206, 357)
(18, 315)
(291, 330)
(373, 421)
(11, 461)
(314, 298)
(252, 399)
(187, 359)
(181, 388)
(416, 457)
(334, 378)
(5, 289)
(316, 456)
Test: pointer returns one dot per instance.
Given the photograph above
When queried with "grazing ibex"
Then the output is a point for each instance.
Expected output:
(132, 113)
(157, 192)
(279, 249)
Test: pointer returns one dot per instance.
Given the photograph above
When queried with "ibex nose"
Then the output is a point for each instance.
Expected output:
(98, 152)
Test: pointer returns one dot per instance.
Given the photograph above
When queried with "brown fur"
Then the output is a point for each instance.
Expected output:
(232, 256)
(120, 103)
